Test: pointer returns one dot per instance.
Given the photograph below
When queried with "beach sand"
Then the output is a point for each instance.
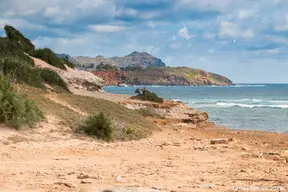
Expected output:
(179, 158)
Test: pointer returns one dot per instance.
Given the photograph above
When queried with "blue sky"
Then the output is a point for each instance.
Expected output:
(245, 40)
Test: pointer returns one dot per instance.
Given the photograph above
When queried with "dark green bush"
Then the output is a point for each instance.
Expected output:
(52, 78)
(67, 62)
(146, 95)
(19, 39)
(10, 51)
(100, 126)
(49, 56)
(22, 73)
(16, 110)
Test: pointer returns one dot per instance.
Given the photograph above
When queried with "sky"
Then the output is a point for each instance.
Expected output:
(244, 40)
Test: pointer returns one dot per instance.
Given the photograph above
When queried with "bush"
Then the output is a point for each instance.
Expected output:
(67, 62)
(22, 73)
(19, 39)
(147, 96)
(16, 110)
(10, 51)
(48, 56)
(52, 78)
(99, 126)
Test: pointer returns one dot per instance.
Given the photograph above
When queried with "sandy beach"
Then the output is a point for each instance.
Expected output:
(179, 157)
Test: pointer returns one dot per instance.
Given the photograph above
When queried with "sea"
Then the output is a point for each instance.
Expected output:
(241, 106)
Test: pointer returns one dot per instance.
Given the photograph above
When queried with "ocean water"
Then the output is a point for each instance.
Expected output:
(242, 106)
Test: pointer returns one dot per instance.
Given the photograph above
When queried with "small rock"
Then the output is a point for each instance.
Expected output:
(219, 141)
(273, 153)
(242, 171)
(69, 185)
(86, 181)
(245, 149)
(232, 140)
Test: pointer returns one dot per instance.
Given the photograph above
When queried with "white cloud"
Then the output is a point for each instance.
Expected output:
(244, 14)
(184, 33)
(106, 28)
(229, 29)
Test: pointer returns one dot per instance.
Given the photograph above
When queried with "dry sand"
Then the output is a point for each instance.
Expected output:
(178, 158)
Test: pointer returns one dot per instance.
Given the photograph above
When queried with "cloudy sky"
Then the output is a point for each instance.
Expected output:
(245, 40)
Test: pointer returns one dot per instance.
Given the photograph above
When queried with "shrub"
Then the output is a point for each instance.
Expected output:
(48, 56)
(22, 73)
(67, 62)
(98, 125)
(10, 51)
(16, 110)
(19, 39)
(147, 96)
(52, 78)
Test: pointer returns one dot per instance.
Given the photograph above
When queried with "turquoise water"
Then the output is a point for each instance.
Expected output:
(249, 106)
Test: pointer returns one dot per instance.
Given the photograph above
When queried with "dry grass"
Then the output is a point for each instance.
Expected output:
(128, 124)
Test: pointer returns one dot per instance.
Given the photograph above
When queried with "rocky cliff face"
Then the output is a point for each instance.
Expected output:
(134, 59)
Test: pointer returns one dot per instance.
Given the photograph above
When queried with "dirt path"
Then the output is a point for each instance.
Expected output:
(174, 159)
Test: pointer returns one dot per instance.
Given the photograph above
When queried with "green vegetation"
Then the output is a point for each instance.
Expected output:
(98, 125)
(145, 95)
(106, 67)
(52, 78)
(18, 39)
(128, 124)
(19, 66)
(132, 68)
(16, 110)
(174, 76)
(14, 63)
(67, 62)
(47, 55)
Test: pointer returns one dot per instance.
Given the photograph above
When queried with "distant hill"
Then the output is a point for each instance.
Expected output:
(163, 76)
(143, 60)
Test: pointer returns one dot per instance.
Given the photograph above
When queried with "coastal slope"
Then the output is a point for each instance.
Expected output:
(163, 76)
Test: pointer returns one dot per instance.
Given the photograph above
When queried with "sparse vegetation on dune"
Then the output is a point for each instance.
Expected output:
(52, 78)
(67, 62)
(47, 55)
(19, 66)
(16, 110)
(127, 124)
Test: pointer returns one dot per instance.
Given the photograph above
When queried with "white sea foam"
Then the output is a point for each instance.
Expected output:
(221, 104)
(247, 85)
